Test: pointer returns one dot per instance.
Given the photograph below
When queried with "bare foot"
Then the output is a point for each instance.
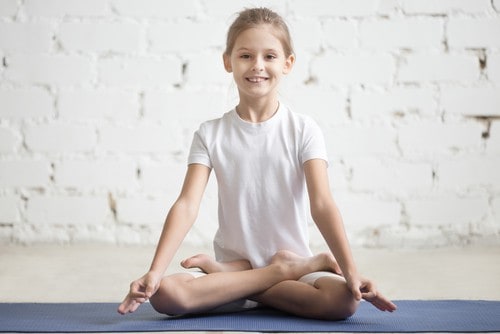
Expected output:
(298, 266)
(208, 265)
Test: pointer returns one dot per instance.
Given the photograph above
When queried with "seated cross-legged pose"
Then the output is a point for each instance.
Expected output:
(268, 162)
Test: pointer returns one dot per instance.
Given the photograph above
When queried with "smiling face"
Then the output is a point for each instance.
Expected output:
(258, 62)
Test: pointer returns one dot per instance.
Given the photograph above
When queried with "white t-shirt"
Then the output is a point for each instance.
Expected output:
(261, 182)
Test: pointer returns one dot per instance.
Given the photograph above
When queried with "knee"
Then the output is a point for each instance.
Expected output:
(170, 299)
(341, 304)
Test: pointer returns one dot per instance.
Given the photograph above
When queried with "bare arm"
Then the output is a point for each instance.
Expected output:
(179, 220)
(327, 217)
(181, 216)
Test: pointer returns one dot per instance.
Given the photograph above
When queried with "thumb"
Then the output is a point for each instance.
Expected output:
(355, 290)
(151, 288)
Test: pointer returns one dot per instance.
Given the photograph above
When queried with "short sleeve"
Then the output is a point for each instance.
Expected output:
(198, 153)
(313, 142)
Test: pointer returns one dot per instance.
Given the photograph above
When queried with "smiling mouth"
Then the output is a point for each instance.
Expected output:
(256, 79)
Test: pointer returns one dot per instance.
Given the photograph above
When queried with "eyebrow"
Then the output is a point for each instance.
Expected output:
(247, 49)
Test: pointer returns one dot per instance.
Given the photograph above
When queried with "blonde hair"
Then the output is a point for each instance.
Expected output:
(253, 17)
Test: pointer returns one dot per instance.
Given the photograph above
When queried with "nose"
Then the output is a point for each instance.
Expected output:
(258, 65)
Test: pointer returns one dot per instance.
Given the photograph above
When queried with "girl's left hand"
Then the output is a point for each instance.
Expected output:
(364, 288)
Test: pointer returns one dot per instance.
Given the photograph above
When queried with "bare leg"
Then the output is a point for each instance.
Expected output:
(328, 299)
(182, 294)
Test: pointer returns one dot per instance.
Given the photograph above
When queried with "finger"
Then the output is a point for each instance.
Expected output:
(150, 290)
(130, 305)
(137, 295)
(126, 305)
(369, 296)
(337, 269)
(356, 292)
(386, 303)
(382, 303)
(134, 307)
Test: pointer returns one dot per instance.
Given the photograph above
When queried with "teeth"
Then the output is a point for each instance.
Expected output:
(255, 80)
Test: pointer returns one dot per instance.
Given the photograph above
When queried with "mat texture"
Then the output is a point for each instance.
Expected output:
(411, 316)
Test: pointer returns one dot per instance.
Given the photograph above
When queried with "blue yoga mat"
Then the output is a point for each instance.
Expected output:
(411, 316)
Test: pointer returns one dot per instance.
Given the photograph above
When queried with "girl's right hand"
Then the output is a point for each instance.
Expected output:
(140, 291)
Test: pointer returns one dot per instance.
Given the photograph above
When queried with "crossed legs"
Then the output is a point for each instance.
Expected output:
(276, 285)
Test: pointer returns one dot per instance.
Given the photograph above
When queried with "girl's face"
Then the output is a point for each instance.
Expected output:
(258, 62)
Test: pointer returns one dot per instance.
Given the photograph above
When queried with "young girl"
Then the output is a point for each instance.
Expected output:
(266, 159)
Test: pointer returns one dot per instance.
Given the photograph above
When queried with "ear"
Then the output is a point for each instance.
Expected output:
(289, 64)
(227, 62)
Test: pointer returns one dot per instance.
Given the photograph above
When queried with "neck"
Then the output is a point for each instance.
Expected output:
(257, 110)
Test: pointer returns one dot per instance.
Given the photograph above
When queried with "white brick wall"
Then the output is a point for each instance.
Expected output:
(99, 100)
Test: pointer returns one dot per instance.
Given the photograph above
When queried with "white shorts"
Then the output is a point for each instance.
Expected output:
(246, 304)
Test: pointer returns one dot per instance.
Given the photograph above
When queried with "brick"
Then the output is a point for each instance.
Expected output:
(156, 8)
(141, 211)
(300, 74)
(24, 173)
(442, 210)
(433, 138)
(398, 101)
(496, 5)
(496, 208)
(402, 33)
(471, 101)
(167, 175)
(6, 234)
(64, 8)
(163, 37)
(25, 103)
(25, 37)
(48, 69)
(8, 8)
(95, 234)
(340, 34)
(109, 104)
(142, 139)
(361, 140)
(473, 172)
(474, 33)
(375, 212)
(493, 68)
(326, 107)
(187, 107)
(370, 174)
(101, 37)
(59, 137)
(96, 174)
(207, 68)
(139, 72)
(68, 211)
(332, 68)
(388, 8)
(438, 67)
(10, 141)
(335, 8)
(493, 142)
(9, 210)
(339, 175)
(27, 234)
(441, 7)
(306, 34)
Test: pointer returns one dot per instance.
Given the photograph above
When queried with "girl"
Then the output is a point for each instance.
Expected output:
(266, 159)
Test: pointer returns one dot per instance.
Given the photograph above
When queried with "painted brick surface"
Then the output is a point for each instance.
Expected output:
(99, 100)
